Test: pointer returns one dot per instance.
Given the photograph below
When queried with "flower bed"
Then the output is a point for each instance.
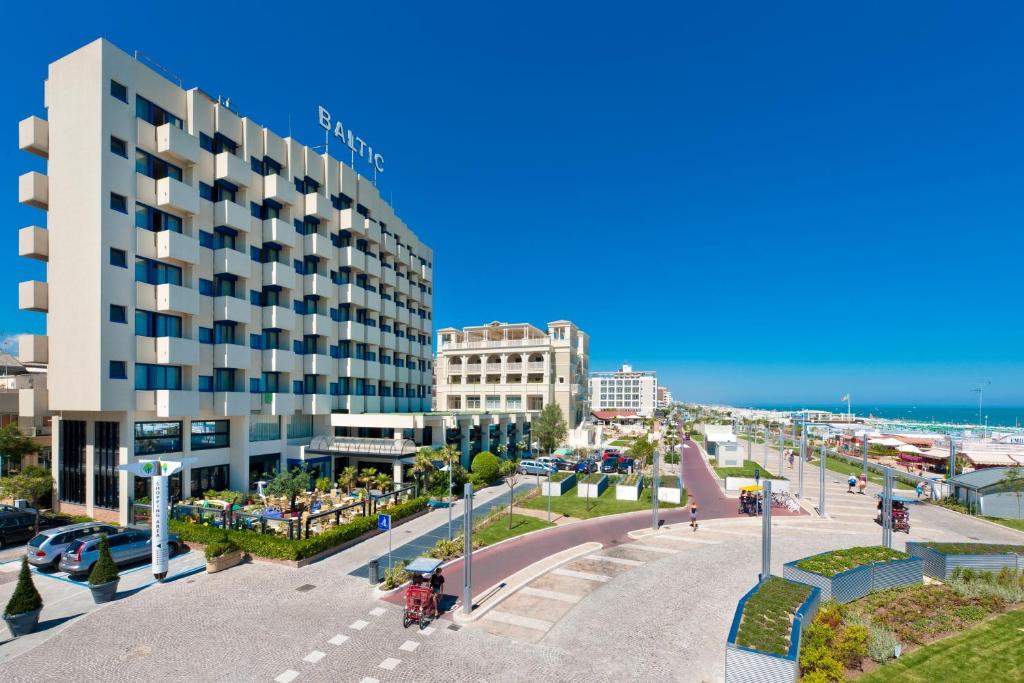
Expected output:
(629, 487)
(669, 491)
(592, 485)
(942, 559)
(852, 573)
(558, 484)
(764, 641)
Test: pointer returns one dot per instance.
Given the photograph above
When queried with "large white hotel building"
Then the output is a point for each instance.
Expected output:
(217, 292)
(626, 390)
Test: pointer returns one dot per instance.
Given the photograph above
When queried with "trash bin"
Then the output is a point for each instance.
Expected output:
(374, 572)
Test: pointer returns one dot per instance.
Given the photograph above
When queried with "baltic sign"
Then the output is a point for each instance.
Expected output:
(351, 140)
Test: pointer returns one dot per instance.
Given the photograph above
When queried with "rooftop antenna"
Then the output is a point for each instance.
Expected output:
(981, 394)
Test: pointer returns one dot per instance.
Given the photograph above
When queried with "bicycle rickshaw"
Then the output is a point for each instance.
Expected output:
(419, 602)
(900, 513)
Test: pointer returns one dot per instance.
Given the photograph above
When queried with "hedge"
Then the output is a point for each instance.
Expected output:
(280, 548)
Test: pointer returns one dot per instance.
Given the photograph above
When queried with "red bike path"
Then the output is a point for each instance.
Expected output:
(492, 565)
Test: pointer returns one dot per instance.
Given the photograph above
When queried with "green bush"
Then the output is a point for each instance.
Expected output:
(104, 571)
(881, 644)
(25, 598)
(227, 495)
(324, 484)
(222, 546)
(395, 577)
(487, 466)
(852, 646)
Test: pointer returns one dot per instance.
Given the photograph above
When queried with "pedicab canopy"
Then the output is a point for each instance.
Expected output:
(423, 565)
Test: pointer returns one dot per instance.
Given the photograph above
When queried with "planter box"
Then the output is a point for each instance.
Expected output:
(628, 492)
(670, 495)
(558, 488)
(104, 592)
(939, 565)
(856, 583)
(222, 562)
(736, 483)
(743, 664)
(592, 490)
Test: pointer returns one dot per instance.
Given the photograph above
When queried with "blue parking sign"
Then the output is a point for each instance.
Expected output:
(384, 522)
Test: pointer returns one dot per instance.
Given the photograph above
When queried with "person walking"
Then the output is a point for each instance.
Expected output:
(693, 514)
(919, 489)
(862, 484)
(757, 476)
(851, 482)
(437, 589)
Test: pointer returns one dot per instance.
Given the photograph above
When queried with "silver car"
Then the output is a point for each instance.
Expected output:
(46, 547)
(126, 546)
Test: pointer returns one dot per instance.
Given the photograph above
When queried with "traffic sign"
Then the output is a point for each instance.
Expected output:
(384, 522)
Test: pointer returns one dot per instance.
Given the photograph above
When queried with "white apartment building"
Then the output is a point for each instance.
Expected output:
(664, 398)
(625, 389)
(512, 367)
(215, 292)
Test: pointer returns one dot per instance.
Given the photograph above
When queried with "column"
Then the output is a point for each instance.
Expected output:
(485, 434)
(396, 474)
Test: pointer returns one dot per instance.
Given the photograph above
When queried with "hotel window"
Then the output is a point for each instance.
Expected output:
(157, 437)
(118, 369)
(226, 379)
(225, 238)
(155, 272)
(209, 478)
(224, 332)
(118, 314)
(494, 403)
(147, 111)
(154, 220)
(205, 335)
(224, 191)
(300, 427)
(473, 403)
(155, 167)
(118, 147)
(210, 434)
(118, 91)
(153, 377)
(271, 382)
(225, 285)
(118, 257)
(264, 428)
(206, 383)
(118, 202)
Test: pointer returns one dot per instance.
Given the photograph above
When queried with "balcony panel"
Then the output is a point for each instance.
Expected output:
(388, 276)
(279, 274)
(319, 206)
(176, 299)
(232, 215)
(232, 169)
(175, 246)
(388, 340)
(34, 190)
(279, 404)
(317, 245)
(281, 190)
(388, 308)
(371, 404)
(231, 308)
(34, 242)
(33, 295)
(373, 335)
(350, 294)
(352, 367)
(175, 195)
(33, 401)
(176, 351)
(231, 356)
(318, 364)
(231, 403)
(34, 136)
(33, 348)
(145, 350)
(177, 144)
(278, 318)
(278, 360)
(316, 404)
(352, 331)
(372, 371)
(373, 267)
(352, 257)
(319, 325)
(373, 300)
(232, 262)
(279, 232)
(168, 403)
(317, 284)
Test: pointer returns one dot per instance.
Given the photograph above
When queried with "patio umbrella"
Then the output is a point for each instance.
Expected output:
(752, 487)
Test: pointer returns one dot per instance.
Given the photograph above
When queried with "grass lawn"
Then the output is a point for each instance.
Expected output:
(748, 469)
(622, 442)
(498, 530)
(1017, 524)
(571, 505)
(844, 467)
(990, 652)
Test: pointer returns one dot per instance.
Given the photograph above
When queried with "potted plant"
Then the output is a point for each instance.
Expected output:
(221, 555)
(22, 611)
(103, 578)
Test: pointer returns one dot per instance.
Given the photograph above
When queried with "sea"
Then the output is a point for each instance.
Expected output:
(998, 416)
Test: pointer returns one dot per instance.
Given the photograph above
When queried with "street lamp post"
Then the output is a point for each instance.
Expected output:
(766, 532)
(821, 481)
(654, 494)
(803, 456)
(451, 503)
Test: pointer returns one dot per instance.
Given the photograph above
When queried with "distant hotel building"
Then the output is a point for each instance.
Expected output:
(664, 398)
(214, 291)
(624, 389)
(513, 367)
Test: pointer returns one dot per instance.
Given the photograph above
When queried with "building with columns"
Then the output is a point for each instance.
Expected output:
(625, 389)
(503, 367)
(215, 292)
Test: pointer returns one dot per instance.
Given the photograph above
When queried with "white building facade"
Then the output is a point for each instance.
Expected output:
(625, 389)
(214, 291)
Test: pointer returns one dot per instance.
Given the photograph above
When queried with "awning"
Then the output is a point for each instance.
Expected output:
(372, 448)
(887, 441)
(908, 448)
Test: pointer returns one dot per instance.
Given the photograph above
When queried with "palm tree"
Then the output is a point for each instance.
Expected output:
(346, 478)
(382, 481)
(367, 476)
(423, 463)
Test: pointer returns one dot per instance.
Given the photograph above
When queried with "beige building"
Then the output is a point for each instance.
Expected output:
(664, 398)
(625, 389)
(512, 367)
(217, 292)
(23, 403)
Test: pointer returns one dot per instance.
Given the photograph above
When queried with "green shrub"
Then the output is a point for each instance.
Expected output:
(395, 576)
(818, 635)
(487, 466)
(227, 495)
(25, 597)
(881, 644)
(104, 571)
(975, 548)
(222, 546)
(324, 484)
(448, 550)
(852, 646)
(825, 674)
(837, 561)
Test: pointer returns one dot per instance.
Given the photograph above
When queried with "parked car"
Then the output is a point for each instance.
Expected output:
(626, 464)
(16, 526)
(586, 466)
(127, 545)
(535, 467)
(609, 465)
(555, 462)
(611, 453)
(46, 547)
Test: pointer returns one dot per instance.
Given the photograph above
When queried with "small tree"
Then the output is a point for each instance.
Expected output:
(510, 471)
(367, 477)
(550, 428)
(104, 571)
(14, 445)
(25, 598)
(1014, 482)
(346, 478)
(289, 485)
(486, 466)
(423, 463)
(640, 450)
(31, 483)
(382, 481)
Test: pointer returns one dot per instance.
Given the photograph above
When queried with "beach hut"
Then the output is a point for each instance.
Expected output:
(987, 492)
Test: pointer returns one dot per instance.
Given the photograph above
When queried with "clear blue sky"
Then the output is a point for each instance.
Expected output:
(765, 202)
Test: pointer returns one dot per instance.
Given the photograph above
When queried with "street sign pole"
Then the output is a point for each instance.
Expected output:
(766, 532)
(467, 564)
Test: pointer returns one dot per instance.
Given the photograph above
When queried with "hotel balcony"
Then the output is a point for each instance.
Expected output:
(427, 273)
(387, 372)
(373, 335)
(232, 262)
(352, 331)
(278, 318)
(349, 220)
(372, 371)
(373, 266)
(174, 246)
(33, 295)
(279, 232)
(175, 195)
(279, 274)
(279, 404)
(33, 190)
(316, 404)
(232, 169)
(373, 232)
(230, 403)
(232, 215)
(388, 340)
(317, 284)
(319, 206)
(402, 375)
(34, 242)
(317, 245)
(318, 324)
(168, 298)
(371, 404)
(387, 404)
(33, 348)
(280, 189)
(232, 308)
(352, 257)
(167, 403)
(34, 136)
(372, 300)
(537, 367)
(318, 364)
(278, 360)
(388, 308)
(33, 401)
(351, 367)
(173, 350)
(175, 143)
(350, 294)
(231, 356)
(388, 276)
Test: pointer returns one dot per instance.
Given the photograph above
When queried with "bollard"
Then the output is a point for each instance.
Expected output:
(374, 572)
